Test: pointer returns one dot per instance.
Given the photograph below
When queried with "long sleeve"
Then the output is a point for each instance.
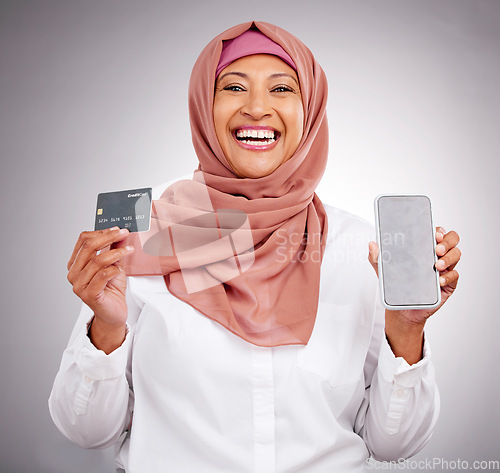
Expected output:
(92, 398)
(401, 404)
(206, 400)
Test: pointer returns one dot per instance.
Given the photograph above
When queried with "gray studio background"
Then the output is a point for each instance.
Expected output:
(94, 98)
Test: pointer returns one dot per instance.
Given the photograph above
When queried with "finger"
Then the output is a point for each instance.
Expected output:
(97, 238)
(440, 232)
(451, 258)
(450, 240)
(80, 241)
(90, 242)
(450, 278)
(98, 283)
(373, 252)
(80, 279)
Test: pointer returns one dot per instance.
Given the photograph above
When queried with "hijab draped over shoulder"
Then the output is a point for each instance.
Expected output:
(244, 252)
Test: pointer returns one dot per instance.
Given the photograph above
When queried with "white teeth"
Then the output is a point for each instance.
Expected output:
(261, 134)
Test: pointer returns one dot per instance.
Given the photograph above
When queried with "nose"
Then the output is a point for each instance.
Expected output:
(257, 105)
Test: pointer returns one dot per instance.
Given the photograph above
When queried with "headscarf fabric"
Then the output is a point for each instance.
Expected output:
(245, 252)
(250, 42)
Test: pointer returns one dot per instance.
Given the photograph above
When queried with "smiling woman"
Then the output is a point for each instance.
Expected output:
(258, 114)
(249, 337)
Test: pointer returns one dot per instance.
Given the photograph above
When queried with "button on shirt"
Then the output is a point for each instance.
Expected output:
(184, 394)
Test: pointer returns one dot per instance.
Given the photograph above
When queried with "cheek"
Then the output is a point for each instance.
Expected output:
(295, 124)
(223, 111)
(218, 118)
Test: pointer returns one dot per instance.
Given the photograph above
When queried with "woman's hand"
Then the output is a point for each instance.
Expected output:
(449, 256)
(404, 328)
(99, 281)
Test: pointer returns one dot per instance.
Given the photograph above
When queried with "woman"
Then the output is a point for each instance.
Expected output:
(261, 348)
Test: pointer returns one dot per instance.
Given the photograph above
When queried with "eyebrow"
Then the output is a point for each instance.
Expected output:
(245, 76)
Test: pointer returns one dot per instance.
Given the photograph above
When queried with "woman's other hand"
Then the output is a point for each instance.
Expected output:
(99, 281)
(448, 256)
(404, 328)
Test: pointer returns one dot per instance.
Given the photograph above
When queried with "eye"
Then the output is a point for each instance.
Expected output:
(234, 88)
(282, 88)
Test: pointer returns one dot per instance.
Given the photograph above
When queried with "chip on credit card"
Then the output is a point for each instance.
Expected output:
(129, 209)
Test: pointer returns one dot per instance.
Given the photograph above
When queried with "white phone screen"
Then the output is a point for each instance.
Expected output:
(407, 252)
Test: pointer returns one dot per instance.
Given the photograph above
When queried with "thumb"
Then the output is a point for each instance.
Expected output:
(373, 255)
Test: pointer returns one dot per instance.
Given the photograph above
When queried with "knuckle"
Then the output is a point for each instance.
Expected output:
(105, 272)
(97, 260)
(454, 236)
(87, 243)
(109, 272)
(104, 259)
(101, 274)
(452, 277)
(77, 289)
(84, 236)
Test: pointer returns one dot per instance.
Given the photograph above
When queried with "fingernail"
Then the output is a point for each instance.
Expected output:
(442, 281)
(129, 248)
(440, 264)
(123, 231)
(440, 248)
(113, 228)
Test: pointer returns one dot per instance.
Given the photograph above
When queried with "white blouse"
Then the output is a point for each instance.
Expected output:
(184, 395)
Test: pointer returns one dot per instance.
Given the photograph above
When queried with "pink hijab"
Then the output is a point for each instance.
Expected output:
(245, 252)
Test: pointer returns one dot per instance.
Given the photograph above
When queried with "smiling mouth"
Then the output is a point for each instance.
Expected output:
(258, 138)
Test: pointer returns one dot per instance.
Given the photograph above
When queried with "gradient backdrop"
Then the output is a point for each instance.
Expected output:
(94, 99)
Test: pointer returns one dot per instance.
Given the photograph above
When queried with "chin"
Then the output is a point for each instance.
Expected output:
(256, 173)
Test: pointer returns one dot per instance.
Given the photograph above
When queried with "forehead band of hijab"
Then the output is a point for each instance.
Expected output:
(249, 43)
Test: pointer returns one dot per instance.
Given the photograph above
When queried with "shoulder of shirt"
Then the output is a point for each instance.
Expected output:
(340, 221)
(160, 188)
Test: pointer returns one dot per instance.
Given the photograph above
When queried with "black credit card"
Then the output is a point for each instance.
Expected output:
(125, 209)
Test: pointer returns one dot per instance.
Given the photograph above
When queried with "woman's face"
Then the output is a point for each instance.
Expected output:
(258, 114)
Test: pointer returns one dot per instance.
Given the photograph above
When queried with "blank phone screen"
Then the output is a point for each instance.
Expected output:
(407, 247)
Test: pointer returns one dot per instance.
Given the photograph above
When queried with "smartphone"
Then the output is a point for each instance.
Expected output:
(407, 252)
